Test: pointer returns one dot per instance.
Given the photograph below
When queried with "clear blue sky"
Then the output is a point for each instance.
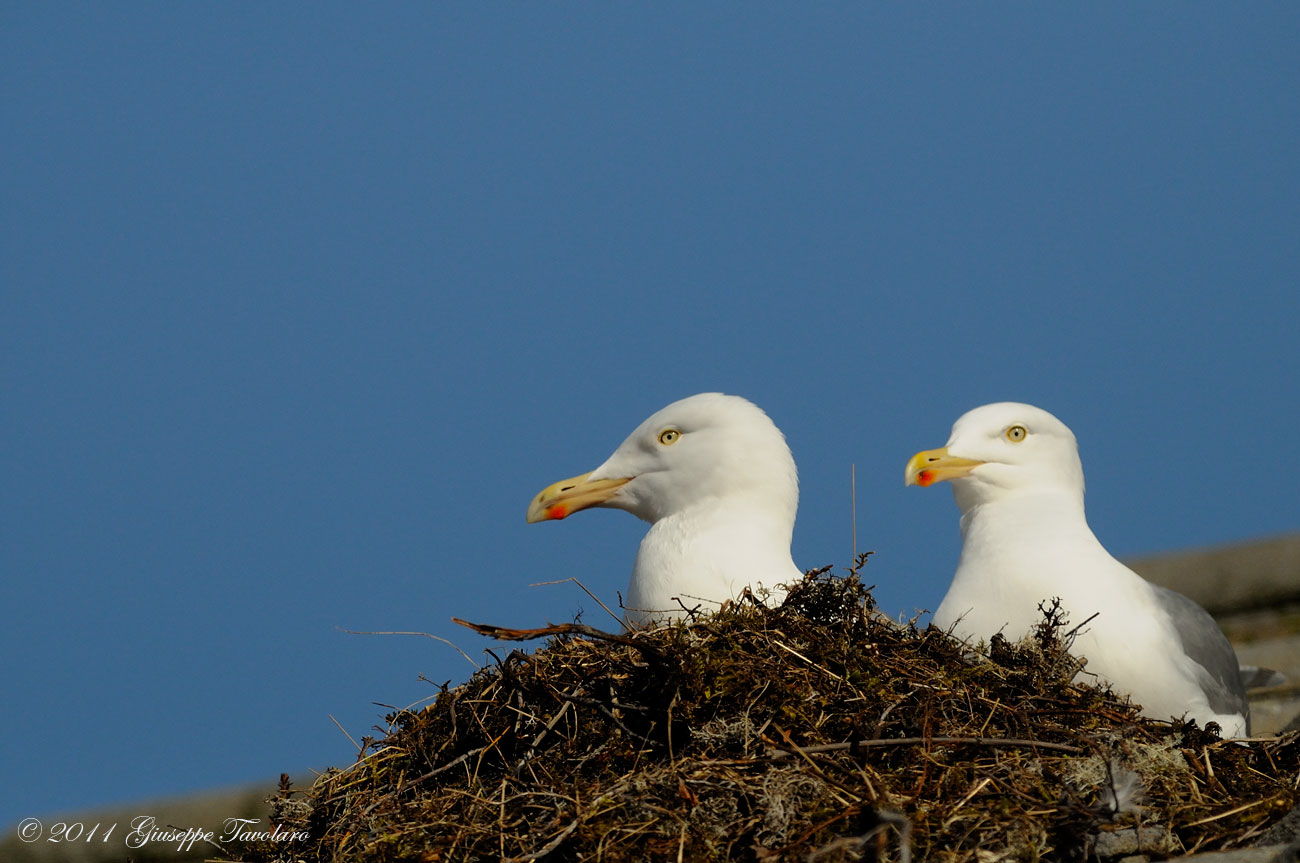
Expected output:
(302, 304)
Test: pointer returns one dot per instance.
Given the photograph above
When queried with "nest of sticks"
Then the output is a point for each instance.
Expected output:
(818, 730)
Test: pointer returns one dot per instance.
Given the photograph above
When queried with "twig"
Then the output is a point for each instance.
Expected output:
(505, 633)
(361, 750)
(692, 613)
(885, 818)
(966, 798)
(541, 735)
(609, 714)
(904, 827)
(1231, 812)
(425, 634)
(596, 702)
(1070, 635)
(813, 764)
(617, 619)
(794, 652)
(447, 766)
(909, 741)
(853, 506)
(549, 846)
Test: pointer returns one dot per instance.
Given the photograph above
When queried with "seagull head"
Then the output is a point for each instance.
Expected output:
(704, 450)
(1001, 450)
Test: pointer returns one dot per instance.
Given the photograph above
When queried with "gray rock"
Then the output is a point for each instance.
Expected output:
(1135, 840)
(1283, 832)
(1258, 854)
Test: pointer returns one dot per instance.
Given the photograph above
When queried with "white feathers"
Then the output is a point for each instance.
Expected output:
(1123, 791)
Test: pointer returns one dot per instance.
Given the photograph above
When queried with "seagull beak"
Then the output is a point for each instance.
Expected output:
(570, 495)
(936, 465)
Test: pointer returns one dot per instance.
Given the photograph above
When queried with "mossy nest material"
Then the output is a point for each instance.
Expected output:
(819, 730)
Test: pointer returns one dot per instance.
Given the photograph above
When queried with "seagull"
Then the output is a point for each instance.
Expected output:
(714, 477)
(1018, 481)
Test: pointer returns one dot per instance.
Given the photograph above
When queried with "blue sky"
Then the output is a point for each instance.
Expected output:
(302, 304)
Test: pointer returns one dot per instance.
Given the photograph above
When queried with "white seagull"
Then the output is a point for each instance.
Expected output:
(715, 479)
(1018, 481)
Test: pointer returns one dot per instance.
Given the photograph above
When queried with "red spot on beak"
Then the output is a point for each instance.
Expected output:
(557, 511)
(925, 478)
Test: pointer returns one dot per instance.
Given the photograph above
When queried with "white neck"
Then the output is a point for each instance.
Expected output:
(1046, 518)
(708, 554)
(1025, 539)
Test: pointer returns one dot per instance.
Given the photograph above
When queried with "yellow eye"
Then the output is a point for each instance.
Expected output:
(668, 437)
(1016, 434)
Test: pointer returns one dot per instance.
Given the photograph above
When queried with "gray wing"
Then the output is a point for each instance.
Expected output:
(1205, 643)
(1253, 676)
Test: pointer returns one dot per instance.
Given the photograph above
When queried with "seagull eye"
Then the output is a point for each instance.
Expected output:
(1016, 434)
(668, 437)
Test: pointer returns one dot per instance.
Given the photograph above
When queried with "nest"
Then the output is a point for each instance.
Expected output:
(816, 731)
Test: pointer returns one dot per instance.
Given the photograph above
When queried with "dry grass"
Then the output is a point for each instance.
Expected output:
(815, 731)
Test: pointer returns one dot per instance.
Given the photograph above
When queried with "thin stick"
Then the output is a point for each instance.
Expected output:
(505, 633)
(1230, 812)
(796, 653)
(1072, 632)
(905, 741)
(979, 786)
(448, 765)
(813, 764)
(550, 726)
(425, 634)
(549, 846)
(618, 619)
(360, 749)
(853, 507)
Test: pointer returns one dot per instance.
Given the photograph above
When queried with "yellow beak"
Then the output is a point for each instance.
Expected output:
(570, 495)
(936, 465)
